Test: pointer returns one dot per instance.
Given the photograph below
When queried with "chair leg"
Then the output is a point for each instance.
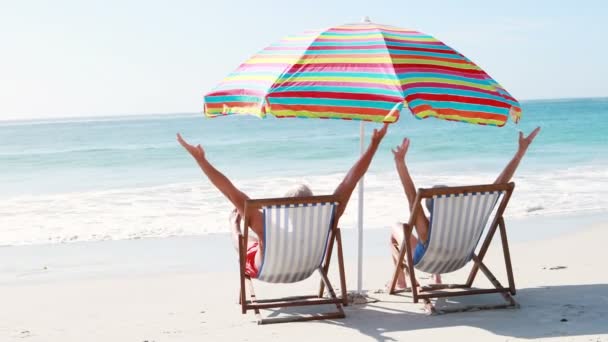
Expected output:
(404, 268)
(466, 290)
(407, 267)
(341, 269)
(482, 253)
(254, 300)
(507, 255)
(513, 305)
(298, 301)
(500, 224)
(410, 263)
(242, 297)
(399, 262)
(330, 289)
(486, 271)
(327, 260)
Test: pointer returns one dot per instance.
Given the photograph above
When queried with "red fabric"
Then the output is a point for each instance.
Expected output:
(250, 268)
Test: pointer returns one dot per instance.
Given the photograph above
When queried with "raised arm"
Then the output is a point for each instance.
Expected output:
(409, 188)
(404, 175)
(346, 187)
(222, 183)
(524, 142)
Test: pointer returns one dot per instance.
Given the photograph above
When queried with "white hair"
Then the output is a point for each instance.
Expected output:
(300, 190)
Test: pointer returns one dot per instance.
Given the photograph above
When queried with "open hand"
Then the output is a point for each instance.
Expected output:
(377, 135)
(196, 152)
(524, 142)
(400, 151)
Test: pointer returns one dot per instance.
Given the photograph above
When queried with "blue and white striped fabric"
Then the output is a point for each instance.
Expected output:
(456, 227)
(295, 240)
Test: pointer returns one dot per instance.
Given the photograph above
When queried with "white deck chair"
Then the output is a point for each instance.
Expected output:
(459, 216)
(299, 234)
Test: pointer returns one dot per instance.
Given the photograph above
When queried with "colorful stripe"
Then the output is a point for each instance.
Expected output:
(362, 72)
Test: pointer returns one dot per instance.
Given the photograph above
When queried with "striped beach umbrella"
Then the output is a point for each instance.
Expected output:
(366, 72)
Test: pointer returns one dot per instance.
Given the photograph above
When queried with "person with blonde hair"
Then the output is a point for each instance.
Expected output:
(255, 248)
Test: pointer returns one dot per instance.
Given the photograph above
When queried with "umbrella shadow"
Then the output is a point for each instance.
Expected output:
(552, 311)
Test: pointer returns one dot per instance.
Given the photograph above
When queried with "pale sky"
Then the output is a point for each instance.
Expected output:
(82, 58)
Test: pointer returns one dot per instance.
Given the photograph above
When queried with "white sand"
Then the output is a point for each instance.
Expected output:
(157, 291)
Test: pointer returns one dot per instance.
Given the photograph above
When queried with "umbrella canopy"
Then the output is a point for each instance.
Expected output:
(365, 72)
(362, 72)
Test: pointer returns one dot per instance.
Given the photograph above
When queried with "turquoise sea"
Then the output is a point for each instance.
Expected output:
(126, 177)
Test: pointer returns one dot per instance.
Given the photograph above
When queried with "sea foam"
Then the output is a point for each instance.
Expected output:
(198, 208)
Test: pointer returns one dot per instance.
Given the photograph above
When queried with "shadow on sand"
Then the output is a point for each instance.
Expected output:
(551, 311)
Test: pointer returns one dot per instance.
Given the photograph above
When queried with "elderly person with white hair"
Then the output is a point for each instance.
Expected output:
(255, 248)
(422, 223)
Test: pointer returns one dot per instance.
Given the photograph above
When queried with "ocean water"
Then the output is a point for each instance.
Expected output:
(126, 177)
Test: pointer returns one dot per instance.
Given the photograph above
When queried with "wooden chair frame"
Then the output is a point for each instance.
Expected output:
(426, 293)
(317, 299)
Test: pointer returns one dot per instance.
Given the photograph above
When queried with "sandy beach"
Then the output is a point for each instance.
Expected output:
(131, 130)
(185, 289)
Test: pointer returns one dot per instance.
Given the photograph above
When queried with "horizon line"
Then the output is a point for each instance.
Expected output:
(182, 113)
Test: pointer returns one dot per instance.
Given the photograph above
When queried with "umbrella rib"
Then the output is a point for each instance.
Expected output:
(290, 65)
(394, 72)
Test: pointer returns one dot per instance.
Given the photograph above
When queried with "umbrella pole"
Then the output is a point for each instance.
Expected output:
(360, 219)
(360, 211)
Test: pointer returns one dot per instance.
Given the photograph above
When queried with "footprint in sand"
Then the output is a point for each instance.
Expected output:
(555, 268)
(536, 208)
(171, 332)
(24, 334)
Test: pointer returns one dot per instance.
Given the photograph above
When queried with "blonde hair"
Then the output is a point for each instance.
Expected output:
(300, 190)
